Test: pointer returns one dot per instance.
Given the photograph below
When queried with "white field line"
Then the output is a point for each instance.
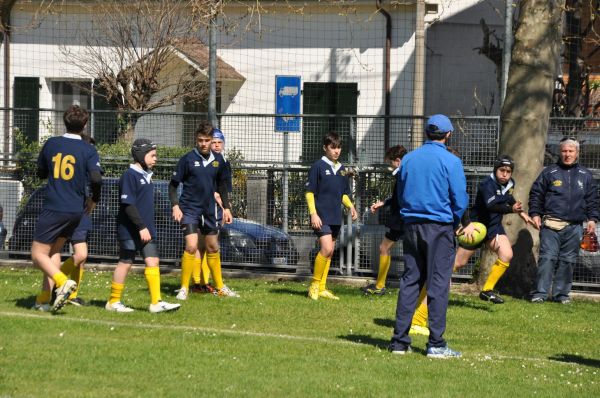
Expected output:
(234, 332)
(187, 328)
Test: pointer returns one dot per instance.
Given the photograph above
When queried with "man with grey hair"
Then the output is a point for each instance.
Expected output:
(563, 197)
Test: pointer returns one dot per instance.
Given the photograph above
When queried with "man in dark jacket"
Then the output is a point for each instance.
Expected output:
(563, 197)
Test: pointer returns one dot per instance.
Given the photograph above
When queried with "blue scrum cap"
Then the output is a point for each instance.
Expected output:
(218, 134)
(438, 124)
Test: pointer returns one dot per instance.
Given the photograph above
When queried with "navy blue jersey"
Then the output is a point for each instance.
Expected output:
(328, 184)
(394, 220)
(230, 176)
(200, 178)
(135, 188)
(492, 201)
(67, 161)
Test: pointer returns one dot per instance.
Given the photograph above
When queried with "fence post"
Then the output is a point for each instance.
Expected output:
(285, 193)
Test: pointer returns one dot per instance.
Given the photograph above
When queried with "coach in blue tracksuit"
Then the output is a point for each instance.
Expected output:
(562, 197)
(432, 197)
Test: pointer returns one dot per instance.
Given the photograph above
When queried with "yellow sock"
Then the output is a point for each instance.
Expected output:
(323, 281)
(187, 268)
(152, 275)
(197, 270)
(204, 271)
(43, 297)
(77, 276)
(496, 273)
(320, 265)
(68, 266)
(421, 314)
(213, 261)
(116, 290)
(59, 279)
(384, 267)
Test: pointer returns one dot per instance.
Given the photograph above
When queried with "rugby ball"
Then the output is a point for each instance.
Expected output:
(478, 237)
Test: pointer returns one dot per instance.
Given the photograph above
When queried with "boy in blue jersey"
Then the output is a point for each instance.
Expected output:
(393, 156)
(136, 230)
(432, 198)
(202, 173)
(327, 189)
(72, 266)
(201, 273)
(68, 163)
(494, 199)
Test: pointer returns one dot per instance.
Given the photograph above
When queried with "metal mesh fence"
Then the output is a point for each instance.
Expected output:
(272, 228)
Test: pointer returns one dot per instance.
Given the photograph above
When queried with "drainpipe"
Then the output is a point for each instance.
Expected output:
(388, 90)
(6, 33)
(212, 70)
(419, 79)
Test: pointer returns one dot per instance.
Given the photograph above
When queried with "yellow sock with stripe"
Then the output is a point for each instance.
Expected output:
(187, 268)
(197, 270)
(204, 271)
(498, 269)
(59, 279)
(319, 268)
(43, 297)
(152, 275)
(213, 260)
(77, 276)
(116, 290)
(421, 314)
(323, 281)
(68, 266)
(384, 267)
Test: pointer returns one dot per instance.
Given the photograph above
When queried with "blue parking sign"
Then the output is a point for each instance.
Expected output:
(287, 102)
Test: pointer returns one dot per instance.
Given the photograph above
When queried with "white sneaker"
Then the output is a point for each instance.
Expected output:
(163, 306)
(117, 307)
(226, 292)
(62, 294)
(41, 307)
(182, 294)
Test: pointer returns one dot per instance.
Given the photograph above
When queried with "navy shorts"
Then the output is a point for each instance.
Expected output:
(490, 235)
(81, 232)
(52, 225)
(129, 248)
(394, 234)
(205, 224)
(333, 230)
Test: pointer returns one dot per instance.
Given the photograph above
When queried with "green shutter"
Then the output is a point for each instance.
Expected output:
(327, 99)
(26, 94)
(106, 126)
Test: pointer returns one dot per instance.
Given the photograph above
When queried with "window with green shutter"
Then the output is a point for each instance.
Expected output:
(26, 94)
(328, 99)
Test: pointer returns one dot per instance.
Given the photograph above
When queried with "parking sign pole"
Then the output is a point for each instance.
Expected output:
(284, 201)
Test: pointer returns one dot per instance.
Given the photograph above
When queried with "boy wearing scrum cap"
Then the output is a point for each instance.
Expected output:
(135, 229)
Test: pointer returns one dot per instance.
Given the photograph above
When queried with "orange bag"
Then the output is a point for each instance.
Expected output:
(589, 242)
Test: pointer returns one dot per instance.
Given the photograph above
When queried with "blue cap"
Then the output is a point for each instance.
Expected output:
(218, 134)
(438, 124)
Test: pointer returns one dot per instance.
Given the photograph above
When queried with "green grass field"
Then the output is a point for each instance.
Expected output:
(273, 341)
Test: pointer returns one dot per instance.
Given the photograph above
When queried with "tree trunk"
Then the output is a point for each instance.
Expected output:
(524, 125)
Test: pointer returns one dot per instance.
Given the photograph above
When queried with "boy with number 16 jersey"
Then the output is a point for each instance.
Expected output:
(67, 162)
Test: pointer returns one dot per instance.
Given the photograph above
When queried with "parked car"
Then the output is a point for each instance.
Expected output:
(243, 242)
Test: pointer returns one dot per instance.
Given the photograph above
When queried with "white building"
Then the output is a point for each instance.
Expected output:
(337, 52)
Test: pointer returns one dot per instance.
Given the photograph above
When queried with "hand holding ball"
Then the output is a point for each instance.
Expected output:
(473, 241)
